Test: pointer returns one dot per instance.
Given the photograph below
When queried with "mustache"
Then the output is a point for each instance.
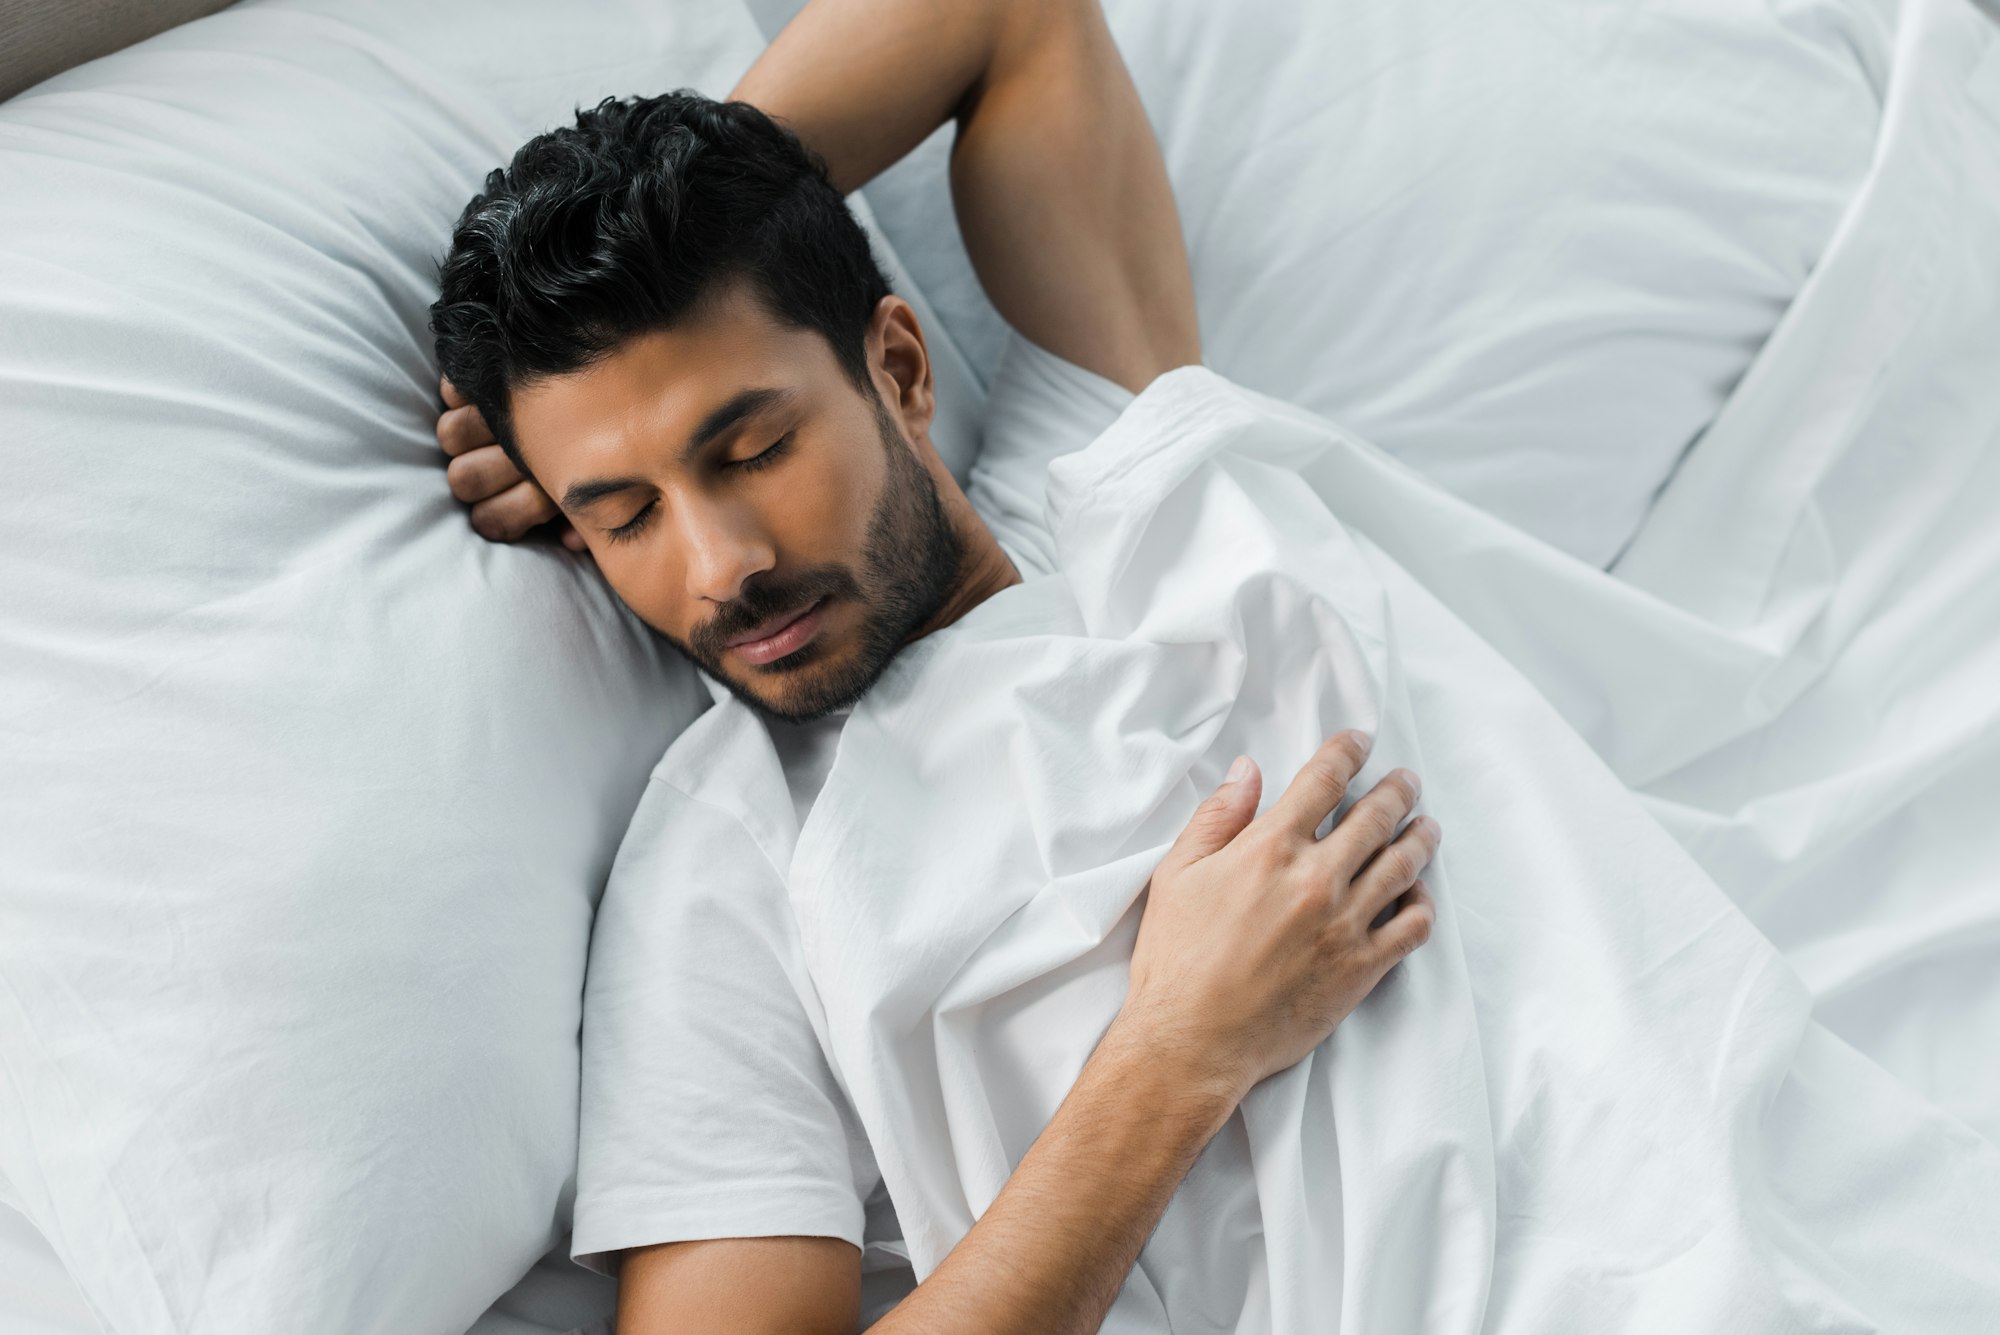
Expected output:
(764, 597)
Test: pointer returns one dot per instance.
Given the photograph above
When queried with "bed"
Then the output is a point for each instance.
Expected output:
(1677, 324)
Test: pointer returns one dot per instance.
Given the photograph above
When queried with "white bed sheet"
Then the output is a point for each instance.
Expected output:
(36, 1294)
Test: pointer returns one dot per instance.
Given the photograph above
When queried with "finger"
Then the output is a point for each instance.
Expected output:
(462, 430)
(1369, 824)
(452, 398)
(1390, 873)
(1318, 787)
(474, 477)
(505, 517)
(1408, 927)
(1222, 817)
(570, 537)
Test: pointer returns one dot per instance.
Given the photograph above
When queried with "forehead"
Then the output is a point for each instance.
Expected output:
(654, 389)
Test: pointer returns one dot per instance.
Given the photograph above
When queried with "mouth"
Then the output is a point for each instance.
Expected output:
(779, 636)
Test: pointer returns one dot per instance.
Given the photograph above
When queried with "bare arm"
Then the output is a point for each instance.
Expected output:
(1256, 941)
(1048, 1257)
(1057, 180)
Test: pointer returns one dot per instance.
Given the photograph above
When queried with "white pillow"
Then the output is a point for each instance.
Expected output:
(309, 793)
(1527, 247)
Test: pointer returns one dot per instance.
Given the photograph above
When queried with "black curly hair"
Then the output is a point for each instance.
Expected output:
(620, 224)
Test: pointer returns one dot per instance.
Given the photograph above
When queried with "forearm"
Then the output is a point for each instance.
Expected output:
(1049, 1255)
(1060, 190)
(865, 81)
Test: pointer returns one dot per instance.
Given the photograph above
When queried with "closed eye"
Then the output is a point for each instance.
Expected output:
(766, 457)
(630, 528)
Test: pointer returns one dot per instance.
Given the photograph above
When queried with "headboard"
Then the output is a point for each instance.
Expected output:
(40, 38)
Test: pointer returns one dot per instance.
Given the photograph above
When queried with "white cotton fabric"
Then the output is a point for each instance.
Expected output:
(308, 791)
(1527, 248)
(1040, 408)
(1795, 662)
(36, 1294)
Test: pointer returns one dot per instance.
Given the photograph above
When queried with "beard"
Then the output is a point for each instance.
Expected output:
(910, 564)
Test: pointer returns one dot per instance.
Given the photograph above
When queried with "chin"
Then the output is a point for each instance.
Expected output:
(798, 687)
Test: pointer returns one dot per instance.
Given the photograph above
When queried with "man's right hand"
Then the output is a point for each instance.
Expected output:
(505, 503)
(1258, 938)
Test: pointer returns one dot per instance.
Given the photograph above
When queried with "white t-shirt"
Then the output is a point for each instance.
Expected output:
(709, 1108)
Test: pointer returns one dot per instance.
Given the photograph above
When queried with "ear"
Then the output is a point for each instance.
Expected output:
(901, 366)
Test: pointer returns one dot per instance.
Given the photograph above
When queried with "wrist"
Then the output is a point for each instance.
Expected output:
(1185, 1080)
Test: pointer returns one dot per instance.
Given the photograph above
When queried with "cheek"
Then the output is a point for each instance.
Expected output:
(820, 511)
(648, 578)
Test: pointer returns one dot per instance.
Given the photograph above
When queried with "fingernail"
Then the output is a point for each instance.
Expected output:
(1367, 742)
(1239, 770)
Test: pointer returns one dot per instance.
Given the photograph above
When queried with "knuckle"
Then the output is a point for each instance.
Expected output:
(1268, 852)
(451, 431)
(1399, 864)
(1324, 772)
(489, 523)
(472, 478)
(1374, 822)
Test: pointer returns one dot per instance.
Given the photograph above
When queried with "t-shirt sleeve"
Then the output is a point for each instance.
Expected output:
(1040, 408)
(708, 1109)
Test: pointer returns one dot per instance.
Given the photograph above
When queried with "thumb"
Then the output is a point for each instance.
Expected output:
(1222, 817)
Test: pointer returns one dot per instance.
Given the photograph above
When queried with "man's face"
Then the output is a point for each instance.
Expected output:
(749, 502)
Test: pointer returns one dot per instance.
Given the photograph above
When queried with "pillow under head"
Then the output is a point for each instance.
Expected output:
(309, 792)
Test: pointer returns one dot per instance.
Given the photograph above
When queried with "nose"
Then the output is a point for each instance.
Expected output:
(725, 547)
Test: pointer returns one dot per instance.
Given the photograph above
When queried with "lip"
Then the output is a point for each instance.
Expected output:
(780, 635)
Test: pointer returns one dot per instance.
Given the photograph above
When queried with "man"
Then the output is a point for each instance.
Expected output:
(663, 328)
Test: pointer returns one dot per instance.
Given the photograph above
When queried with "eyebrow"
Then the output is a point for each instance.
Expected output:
(737, 409)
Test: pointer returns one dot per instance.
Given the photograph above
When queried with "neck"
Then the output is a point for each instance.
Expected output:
(983, 570)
